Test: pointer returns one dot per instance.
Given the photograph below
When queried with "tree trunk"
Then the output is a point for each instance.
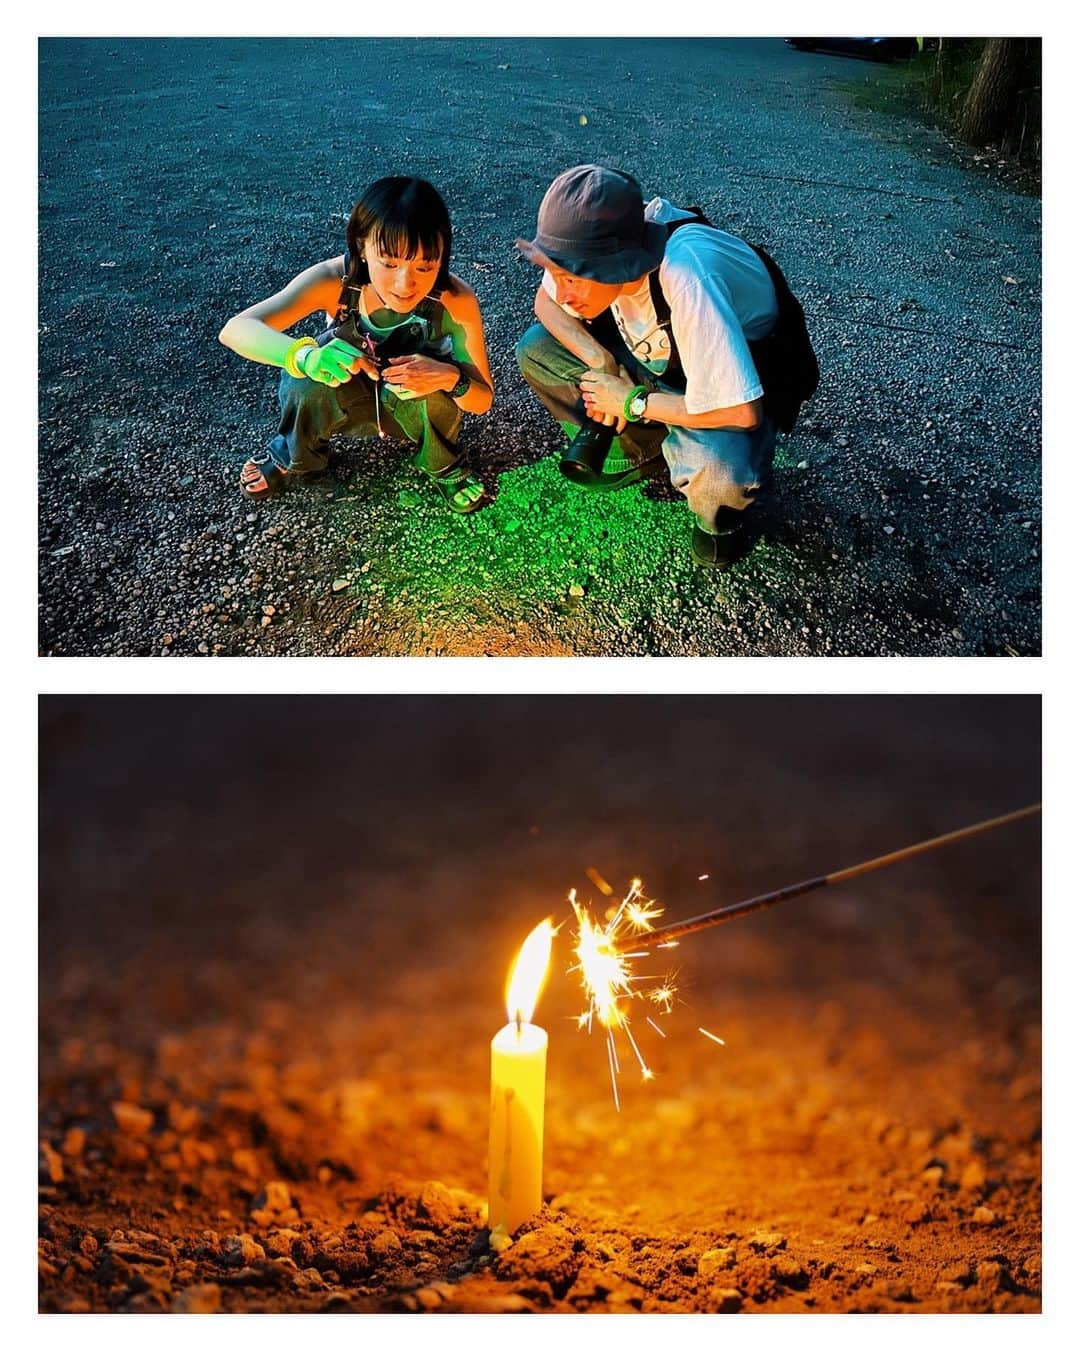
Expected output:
(990, 107)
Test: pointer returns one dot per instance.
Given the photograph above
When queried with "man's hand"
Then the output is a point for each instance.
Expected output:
(604, 396)
(421, 375)
(335, 364)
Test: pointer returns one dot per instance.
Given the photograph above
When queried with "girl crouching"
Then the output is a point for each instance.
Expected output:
(403, 355)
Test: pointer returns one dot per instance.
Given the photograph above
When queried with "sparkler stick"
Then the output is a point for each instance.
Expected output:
(672, 932)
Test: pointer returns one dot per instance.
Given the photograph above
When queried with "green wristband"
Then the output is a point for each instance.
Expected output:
(637, 389)
(294, 350)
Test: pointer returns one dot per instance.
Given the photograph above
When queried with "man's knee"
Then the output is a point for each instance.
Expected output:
(717, 484)
(532, 345)
(543, 358)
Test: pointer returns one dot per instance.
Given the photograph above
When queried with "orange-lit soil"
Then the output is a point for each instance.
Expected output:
(264, 1068)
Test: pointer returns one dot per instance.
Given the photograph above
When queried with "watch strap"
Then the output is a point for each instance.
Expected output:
(634, 393)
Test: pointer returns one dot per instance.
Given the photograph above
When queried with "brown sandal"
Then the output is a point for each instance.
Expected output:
(262, 477)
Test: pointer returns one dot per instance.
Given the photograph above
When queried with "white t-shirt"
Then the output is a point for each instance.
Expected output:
(721, 298)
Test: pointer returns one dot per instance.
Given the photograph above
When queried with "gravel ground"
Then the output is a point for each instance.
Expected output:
(264, 1063)
(182, 179)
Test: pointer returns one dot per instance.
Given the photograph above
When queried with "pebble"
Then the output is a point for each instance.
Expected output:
(386, 1244)
(767, 1242)
(241, 1249)
(973, 1176)
(992, 1275)
(716, 1258)
(984, 1215)
(724, 1300)
(132, 1120)
(54, 1164)
(791, 1272)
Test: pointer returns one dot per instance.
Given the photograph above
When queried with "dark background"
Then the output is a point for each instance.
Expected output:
(196, 825)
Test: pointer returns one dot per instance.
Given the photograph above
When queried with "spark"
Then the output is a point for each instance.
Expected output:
(599, 881)
(704, 876)
(607, 971)
(711, 1036)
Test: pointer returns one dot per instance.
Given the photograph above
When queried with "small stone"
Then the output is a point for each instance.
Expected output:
(716, 1258)
(339, 583)
(428, 1298)
(890, 529)
(865, 1268)
(133, 1120)
(437, 1204)
(790, 1272)
(992, 1275)
(52, 1163)
(897, 1290)
(984, 1215)
(74, 1142)
(767, 1242)
(724, 1300)
(973, 1176)
(576, 591)
(198, 1298)
(932, 1176)
(241, 1249)
(958, 1272)
(245, 1160)
(386, 1244)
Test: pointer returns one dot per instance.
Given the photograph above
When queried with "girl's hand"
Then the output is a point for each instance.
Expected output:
(420, 375)
(335, 364)
(604, 396)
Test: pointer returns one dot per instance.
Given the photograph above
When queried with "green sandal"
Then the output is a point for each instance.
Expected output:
(457, 492)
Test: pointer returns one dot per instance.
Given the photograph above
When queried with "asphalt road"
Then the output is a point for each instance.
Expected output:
(182, 179)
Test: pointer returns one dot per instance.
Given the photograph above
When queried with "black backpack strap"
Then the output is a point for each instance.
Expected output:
(349, 299)
(674, 375)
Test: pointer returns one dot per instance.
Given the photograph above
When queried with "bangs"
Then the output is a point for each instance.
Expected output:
(401, 237)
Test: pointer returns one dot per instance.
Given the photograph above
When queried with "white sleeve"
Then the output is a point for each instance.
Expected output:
(719, 369)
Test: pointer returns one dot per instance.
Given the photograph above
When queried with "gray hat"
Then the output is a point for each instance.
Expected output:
(592, 223)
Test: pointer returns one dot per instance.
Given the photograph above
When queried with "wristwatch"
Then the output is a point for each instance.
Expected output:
(462, 386)
(636, 404)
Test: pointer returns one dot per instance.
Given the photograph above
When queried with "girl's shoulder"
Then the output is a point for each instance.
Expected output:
(459, 300)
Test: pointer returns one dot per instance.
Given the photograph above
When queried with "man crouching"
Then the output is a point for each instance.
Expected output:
(649, 323)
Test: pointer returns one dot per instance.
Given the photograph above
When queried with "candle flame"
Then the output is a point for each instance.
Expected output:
(528, 973)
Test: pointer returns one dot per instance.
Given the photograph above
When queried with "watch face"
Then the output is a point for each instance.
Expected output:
(637, 405)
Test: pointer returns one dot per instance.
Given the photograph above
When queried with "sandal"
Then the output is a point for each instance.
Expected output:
(453, 489)
(262, 477)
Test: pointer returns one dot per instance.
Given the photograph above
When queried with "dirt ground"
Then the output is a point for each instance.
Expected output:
(274, 937)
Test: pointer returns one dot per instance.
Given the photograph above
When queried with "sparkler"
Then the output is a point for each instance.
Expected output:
(606, 955)
(607, 973)
(671, 933)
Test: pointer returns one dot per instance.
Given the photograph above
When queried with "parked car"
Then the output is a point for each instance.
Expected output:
(870, 48)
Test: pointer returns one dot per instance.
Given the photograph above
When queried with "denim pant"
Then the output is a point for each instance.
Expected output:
(311, 413)
(712, 467)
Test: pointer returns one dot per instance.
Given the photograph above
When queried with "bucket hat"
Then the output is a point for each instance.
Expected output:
(592, 223)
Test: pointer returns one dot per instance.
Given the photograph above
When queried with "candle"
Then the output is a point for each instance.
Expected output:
(518, 1068)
